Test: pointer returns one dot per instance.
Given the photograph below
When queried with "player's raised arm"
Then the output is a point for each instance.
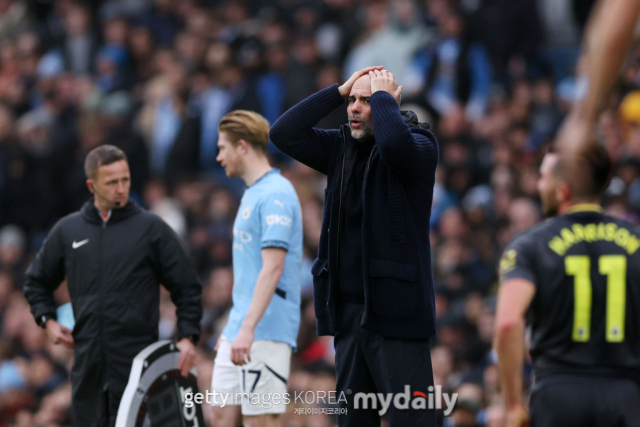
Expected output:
(607, 43)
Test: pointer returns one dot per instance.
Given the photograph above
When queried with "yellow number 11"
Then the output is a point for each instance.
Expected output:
(615, 268)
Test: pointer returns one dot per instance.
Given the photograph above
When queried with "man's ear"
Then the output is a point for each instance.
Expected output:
(563, 192)
(244, 146)
(90, 185)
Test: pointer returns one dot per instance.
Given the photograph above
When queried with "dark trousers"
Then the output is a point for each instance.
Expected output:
(578, 401)
(369, 363)
(100, 410)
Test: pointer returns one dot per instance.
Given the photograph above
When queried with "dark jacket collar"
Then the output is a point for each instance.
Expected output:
(411, 119)
(91, 214)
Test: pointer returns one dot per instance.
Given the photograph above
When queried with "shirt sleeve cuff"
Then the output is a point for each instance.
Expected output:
(275, 244)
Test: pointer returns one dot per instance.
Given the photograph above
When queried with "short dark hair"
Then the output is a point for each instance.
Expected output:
(588, 172)
(599, 167)
(100, 156)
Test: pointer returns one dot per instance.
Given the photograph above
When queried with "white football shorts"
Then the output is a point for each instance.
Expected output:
(259, 386)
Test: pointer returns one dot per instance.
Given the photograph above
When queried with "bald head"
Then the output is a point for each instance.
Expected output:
(359, 109)
(362, 86)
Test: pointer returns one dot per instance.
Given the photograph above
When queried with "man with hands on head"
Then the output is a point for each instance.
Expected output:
(114, 256)
(373, 286)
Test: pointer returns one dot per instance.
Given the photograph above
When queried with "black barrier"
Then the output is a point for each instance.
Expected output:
(154, 396)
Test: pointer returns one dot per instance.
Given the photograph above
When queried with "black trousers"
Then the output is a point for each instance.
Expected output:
(369, 363)
(571, 400)
(100, 409)
(96, 398)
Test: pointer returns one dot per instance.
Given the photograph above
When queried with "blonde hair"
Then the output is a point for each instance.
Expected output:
(247, 125)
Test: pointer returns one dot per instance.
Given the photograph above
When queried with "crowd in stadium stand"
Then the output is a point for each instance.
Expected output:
(153, 77)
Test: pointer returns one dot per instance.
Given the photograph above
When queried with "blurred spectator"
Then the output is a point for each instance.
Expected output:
(230, 90)
(453, 74)
(272, 85)
(114, 115)
(562, 24)
(184, 154)
(510, 29)
(14, 18)
(396, 34)
(13, 245)
(161, 21)
(80, 43)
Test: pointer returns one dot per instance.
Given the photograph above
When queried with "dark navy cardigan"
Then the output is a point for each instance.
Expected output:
(397, 196)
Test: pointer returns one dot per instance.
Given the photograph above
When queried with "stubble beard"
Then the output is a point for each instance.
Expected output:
(548, 209)
(364, 134)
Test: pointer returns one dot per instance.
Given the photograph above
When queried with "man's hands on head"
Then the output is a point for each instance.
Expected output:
(59, 334)
(187, 355)
(345, 89)
(384, 80)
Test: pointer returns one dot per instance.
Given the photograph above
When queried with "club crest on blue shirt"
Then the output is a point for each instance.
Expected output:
(246, 213)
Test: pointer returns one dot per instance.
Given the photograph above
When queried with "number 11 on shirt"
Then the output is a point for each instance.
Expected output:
(615, 268)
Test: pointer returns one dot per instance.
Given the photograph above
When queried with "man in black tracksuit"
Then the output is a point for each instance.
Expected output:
(373, 286)
(114, 255)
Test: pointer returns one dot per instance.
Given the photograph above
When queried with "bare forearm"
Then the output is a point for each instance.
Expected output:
(510, 347)
(608, 40)
(265, 288)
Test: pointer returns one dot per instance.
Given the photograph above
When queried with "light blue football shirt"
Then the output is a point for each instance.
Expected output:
(269, 216)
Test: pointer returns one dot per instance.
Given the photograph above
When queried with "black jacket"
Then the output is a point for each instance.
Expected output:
(397, 194)
(113, 270)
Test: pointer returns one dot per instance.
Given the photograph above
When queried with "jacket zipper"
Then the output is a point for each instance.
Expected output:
(364, 184)
(366, 170)
(364, 187)
(101, 311)
(344, 155)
